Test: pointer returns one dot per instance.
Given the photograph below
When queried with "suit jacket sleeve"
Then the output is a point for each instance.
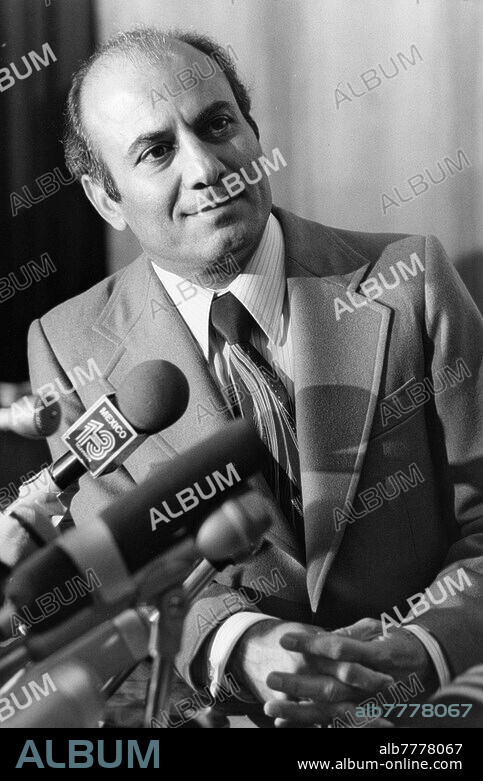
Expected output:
(454, 337)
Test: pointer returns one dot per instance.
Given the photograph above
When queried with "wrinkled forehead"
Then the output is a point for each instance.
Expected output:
(123, 93)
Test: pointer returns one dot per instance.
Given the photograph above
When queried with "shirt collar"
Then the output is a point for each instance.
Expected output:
(260, 288)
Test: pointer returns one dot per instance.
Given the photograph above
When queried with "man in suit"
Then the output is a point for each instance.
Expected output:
(361, 330)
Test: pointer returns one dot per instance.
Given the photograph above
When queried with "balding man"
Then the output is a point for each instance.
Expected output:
(356, 354)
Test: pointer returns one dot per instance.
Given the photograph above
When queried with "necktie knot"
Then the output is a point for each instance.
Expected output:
(231, 319)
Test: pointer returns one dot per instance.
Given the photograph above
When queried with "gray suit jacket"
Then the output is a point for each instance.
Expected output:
(391, 472)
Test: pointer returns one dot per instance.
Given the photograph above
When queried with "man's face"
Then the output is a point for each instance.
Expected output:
(164, 155)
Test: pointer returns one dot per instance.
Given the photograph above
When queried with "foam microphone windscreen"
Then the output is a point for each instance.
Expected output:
(235, 529)
(153, 396)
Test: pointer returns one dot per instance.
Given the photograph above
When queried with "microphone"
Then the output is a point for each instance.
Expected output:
(142, 524)
(227, 536)
(26, 526)
(22, 533)
(231, 534)
(71, 699)
(152, 397)
(88, 630)
(36, 421)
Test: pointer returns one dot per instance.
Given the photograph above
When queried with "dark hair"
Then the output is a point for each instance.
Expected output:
(81, 156)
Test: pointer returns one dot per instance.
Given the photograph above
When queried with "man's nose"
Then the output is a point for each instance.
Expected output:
(200, 165)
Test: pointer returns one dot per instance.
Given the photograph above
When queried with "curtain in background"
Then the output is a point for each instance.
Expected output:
(59, 233)
(343, 154)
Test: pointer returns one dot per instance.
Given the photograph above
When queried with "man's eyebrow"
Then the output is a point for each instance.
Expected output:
(146, 139)
(157, 135)
(213, 108)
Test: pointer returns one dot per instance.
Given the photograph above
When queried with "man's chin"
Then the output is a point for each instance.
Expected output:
(224, 239)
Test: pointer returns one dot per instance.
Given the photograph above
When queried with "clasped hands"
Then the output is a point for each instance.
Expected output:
(307, 676)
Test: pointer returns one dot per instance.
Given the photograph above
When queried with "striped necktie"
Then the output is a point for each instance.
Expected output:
(262, 397)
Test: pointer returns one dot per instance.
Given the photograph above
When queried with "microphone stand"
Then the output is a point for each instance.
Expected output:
(166, 611)
(196, 581)
(164, 644)
(166, 630)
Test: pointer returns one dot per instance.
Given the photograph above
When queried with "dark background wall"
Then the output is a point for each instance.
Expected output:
(60, 233)
(63, 226)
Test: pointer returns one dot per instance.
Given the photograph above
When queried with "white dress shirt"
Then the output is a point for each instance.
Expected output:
(261, 288)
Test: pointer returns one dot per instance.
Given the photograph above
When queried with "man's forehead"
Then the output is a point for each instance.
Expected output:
(122, 94)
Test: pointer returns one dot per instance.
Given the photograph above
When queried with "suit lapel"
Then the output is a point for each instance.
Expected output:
(141, 323)
(338, 366)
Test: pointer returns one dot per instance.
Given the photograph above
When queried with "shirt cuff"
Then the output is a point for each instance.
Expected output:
(434, 650)
(224, 642)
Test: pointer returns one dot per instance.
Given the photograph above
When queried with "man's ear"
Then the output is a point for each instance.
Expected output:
(109, 210)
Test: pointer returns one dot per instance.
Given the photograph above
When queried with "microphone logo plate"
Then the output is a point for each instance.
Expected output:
(99, 436)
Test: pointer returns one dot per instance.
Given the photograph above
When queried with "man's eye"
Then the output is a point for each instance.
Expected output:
(155, 153)
(219, 124)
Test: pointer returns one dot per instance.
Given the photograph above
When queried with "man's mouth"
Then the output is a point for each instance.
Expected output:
(214, 201)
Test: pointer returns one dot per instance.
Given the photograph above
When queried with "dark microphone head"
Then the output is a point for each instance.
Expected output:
(148, 520)
(153, 396)
(36, 421)
(235, 529)
(46, 419)
(75, 699)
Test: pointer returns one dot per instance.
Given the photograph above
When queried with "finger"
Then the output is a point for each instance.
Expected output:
(335, 647)
(322, 688)
(305, 713)
(287, 724)
(353, 675)
(365, 629)
(379, 724)
(295, 713)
